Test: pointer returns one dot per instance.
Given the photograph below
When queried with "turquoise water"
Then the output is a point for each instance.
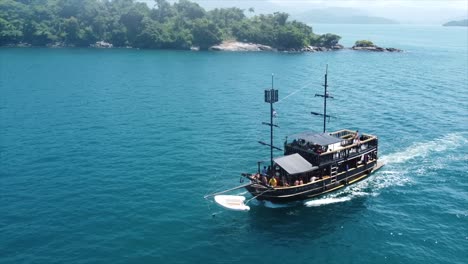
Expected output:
(106, 154)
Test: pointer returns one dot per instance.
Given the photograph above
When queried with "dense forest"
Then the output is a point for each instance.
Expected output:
(123, 23)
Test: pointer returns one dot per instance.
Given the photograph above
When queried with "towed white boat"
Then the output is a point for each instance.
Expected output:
(232, 202)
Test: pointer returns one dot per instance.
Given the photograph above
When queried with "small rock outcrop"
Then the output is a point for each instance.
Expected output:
(240, 46)
(337, 47)
(102, 44)
(367, 45)
(19, 45)
(57, 45)
(316, 49)
(377, 48)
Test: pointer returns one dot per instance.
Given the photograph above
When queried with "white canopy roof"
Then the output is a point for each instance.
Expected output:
(294, 164)
(323, 139)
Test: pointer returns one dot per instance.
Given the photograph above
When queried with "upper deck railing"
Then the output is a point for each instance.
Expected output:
(349, 148)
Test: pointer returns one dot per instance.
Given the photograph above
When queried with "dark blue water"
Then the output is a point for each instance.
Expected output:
(105, 155)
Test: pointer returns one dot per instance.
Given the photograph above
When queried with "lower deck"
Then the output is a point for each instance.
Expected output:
(326, 184)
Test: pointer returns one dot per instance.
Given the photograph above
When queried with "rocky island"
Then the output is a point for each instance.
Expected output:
(180, 25)
(367, 45)
(130, 23)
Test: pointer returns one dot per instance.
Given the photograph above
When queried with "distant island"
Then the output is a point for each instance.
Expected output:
(458, 23)
(338, 15)
(128, 23)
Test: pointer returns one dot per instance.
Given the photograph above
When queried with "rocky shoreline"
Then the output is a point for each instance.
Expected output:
(376, 49)
(242, 46)
(231, 46)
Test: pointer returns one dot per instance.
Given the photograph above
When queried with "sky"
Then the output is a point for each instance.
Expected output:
(403, 11)
(410, 11)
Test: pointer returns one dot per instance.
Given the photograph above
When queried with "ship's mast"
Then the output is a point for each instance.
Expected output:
(275, 99)
(271, 97)
(325, 95)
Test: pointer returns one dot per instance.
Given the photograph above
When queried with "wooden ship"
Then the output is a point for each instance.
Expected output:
(313, 164)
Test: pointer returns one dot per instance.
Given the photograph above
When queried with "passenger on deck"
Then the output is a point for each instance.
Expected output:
(257, 176)
(264, 180)
(285, 181)
(264, 171)
(273, 182)
(320, 149)
(356, 138)
(301, 181)
(313, 178)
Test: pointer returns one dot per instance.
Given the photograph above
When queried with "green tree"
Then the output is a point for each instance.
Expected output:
(280, 18)
(291, 38)
(189, 10)
(8, 33)
(132, 20)
(163, 12)
(328, 40)
(118, 36)
(71, 29)
(38, 34)
(205, 33)
(364, 43)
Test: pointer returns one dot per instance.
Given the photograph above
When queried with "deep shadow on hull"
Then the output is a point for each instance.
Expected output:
(314, 189)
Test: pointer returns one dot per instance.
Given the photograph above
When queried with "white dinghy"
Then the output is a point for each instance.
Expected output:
(232, 202)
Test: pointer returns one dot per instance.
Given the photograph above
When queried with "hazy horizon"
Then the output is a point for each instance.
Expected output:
(405, 12)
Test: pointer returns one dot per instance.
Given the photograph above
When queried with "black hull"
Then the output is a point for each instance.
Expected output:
(315, 189)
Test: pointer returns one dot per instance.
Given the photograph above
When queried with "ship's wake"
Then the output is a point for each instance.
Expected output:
(398, 169)
(423, 150)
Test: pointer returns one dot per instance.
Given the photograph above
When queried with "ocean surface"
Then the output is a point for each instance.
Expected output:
(106, 155)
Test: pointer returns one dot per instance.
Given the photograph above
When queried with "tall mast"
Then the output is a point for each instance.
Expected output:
(271, 97)
(325, 101)
(325, 95)
(275, 99)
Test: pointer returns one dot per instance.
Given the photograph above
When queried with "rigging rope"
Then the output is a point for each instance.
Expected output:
(233, 156)
(306, 85)
(267, 190)
(294, 92)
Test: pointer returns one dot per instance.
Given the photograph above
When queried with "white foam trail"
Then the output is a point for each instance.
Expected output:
(324, 201)
(450, 141)
(398, 176)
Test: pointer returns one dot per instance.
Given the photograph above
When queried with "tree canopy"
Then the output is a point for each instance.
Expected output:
(364, 43)
(180, 25)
